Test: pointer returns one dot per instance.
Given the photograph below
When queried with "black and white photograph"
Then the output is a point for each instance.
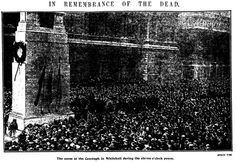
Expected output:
(116, 81)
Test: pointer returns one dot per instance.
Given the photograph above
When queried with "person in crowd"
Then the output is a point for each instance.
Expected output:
(174, 116)
(13, 127)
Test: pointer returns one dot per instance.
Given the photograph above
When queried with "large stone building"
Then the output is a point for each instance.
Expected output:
(64, 50)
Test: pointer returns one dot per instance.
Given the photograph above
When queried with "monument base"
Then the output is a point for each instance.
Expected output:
(24, 121)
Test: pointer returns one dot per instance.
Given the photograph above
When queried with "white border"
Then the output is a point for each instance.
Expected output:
(185, 5)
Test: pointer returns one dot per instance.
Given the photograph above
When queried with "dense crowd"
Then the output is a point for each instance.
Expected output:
(174, 116)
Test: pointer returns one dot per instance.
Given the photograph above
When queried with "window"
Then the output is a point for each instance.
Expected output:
(46, 19)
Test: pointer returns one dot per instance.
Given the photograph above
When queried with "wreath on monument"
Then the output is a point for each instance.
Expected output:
(20, 52)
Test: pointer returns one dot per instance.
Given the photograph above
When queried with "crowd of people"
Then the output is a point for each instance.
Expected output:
(173, 116)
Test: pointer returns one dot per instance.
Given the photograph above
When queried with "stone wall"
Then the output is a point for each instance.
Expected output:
(100, 63)
(162, 65)
(121, 45)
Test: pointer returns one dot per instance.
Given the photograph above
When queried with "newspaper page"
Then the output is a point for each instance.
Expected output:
(117, 80)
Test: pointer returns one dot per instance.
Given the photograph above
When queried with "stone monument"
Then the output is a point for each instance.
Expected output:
(41, 80)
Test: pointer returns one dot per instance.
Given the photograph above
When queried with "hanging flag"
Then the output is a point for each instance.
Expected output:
(59, 92)
(40, 83)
